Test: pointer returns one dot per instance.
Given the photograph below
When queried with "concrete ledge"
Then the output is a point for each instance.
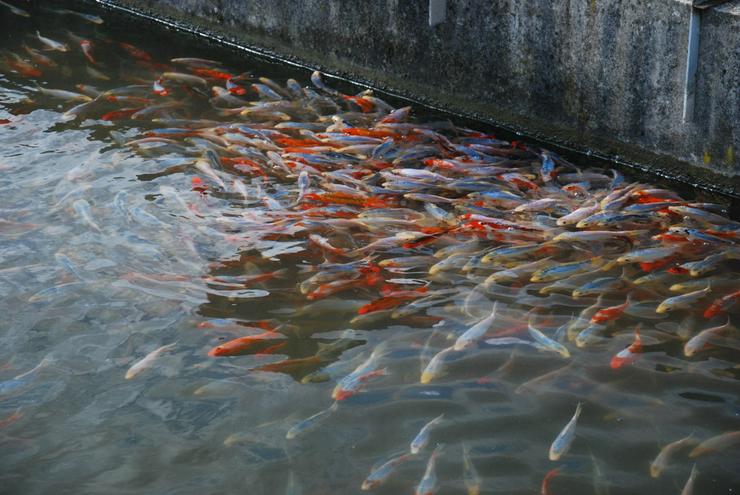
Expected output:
(606, 76)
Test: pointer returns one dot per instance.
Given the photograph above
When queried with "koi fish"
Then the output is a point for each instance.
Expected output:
(547, 343)
(15, 10)
(545, 485)
(702, 340)
(563, 441)
(241, 344)
(292, 365)
(435, 367)
(86, 46)
(471, 479)
(422, 438)
(15, 416)
(610, 313)
(82, 208)
(311, 422)
(52, 44)
(12, 386)
(428, 483)
(629, 354)
(683, 301)
(564, 270)
(722, 304)
(664, 456)
(716, 443)
(476, 332)
(147, 361)
(382, 472)
(350, 384)
(688, 488)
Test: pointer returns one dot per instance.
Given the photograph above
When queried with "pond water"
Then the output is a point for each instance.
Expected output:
(227, 276)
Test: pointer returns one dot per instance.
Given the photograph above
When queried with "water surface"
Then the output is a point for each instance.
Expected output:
(110, 250)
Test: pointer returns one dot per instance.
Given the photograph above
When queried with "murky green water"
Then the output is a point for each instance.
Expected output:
(109, 250)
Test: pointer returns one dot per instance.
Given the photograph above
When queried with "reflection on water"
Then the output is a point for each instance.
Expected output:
(213, 280)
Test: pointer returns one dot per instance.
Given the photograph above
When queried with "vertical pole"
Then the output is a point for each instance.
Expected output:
(692, 57)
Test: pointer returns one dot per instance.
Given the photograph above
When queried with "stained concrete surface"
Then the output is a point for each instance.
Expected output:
(601, 75)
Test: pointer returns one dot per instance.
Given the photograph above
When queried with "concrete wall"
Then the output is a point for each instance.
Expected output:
(606, 75)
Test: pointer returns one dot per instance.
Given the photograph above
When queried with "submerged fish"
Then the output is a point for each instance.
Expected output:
(664, 456)
(428, 483)
(476, 332)
(147, 361)
(422, 438)
(435, 367)
(717, 443)
(562, 443)
(310, 422)
(471, 478)
(382, 472)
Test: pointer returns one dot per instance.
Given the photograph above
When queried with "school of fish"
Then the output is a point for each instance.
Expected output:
(483, 243)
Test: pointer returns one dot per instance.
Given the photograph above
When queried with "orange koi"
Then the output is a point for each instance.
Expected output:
(213, 74)
(336, 197)
(198, 185)
(365, 105)
(238, 346)
(384, 303)
(721, 305)
(390, 290)
(235, 89)
(376, 133)
(651, 266)
(136, 52)
(610, 313)
(334, 287)
(519, 180)
(300, 143)
(545, 488)
(227, 160)
(670, 237)
(271, 349)
(629, 354)
(310, 211)
(678, 270)
(119, 114)
(374, 164)
(291, 365)
(23, 68)
(86, 46)
(641, 199)
(726, 235)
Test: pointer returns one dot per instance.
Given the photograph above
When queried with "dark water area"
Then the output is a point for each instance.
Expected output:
(274, 288)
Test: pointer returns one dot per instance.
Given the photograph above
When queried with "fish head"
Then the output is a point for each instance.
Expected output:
(369, 484)
(712, 311)
(340, 394)
(664, 307)
(217, 351)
